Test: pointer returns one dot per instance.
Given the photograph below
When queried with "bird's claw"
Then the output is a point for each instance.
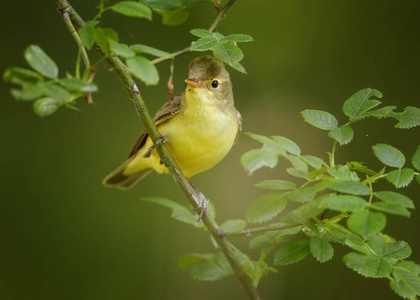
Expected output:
(203, 203)
(159, 142)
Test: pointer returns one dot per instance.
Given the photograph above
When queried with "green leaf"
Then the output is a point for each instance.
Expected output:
(102, 40)
(358, 262)
(389, 155)
(175, 17)
(343, 203)
(379, 267)
(238, 67)
(402, 289)
(40, 61)
(139, 48)
(143, 69)
(258, 158)
(276, 185)
(78, 85)
(189, 259)
(321, 249)
(297, 173)
(392, 208)
(133, 9)
(87, 34)
(392, 197)
(357, 166)
(320, 119)
(401, 177)
(45, 106)
(313, 161)
(359, 103)
(350, 187)
(366, 223)
(292, 253)
(343, 173)
(410, 117)
(297, 162)
(268, 143)
(201, 32)
(208, 272)
(408, 278)
(410, 266)
(21, 76)
(266, 207)
(416, 159)
(168, 5)
(380, 113)
(340, 234)
(228, 53)
(204, 43)
(237, 38)
(270, 237)
(29, 91)
(305, 194)
(397, 250)
(179, 212)
(233, 225)
(287, 145)
(303, 212)
(57, 92)
(121, 50)
(343, 134)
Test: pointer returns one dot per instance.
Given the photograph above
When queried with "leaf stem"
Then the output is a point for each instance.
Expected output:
(173, 55)
(194, 196)
(251, 231)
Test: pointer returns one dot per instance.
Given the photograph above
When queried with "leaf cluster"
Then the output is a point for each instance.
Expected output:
(42, 84)
(223, 47)
(326, 205)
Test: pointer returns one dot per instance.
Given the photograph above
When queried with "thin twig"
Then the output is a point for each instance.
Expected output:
(76, 37)
(262, 229)
(192, 194)
(212, 28)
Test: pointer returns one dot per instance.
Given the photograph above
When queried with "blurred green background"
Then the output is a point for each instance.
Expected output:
(65, 236)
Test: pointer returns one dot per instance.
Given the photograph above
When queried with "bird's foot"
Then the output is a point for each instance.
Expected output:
(203, 203)
(159, 142)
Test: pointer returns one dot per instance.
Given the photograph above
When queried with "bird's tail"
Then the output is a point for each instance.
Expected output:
(118, 180)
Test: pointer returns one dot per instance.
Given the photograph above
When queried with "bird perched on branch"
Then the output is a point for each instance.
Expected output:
(199, 127)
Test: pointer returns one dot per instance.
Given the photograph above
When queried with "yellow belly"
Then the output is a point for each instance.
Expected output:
(197, 142)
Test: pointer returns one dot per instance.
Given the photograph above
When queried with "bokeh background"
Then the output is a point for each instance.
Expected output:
(65, 236)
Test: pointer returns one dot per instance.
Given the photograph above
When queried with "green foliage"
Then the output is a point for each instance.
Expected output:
(48, 95)
(133, 9)
(43, 83)
(333, 193)
(223, 47)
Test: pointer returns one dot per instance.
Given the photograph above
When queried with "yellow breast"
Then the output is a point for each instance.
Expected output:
(200, 136)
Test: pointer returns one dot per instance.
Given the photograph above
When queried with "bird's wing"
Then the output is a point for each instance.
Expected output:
(166, 112)
(239, 127)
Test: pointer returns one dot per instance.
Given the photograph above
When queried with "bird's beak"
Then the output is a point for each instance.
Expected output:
(194, 83)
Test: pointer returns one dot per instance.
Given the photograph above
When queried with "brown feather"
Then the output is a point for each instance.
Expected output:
(167, 111)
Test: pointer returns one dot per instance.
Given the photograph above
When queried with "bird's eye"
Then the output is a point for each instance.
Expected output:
(214, 84)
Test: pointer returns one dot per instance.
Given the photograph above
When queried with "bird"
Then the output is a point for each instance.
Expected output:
(199, 127)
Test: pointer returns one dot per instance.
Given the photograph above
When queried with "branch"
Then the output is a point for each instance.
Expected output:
(194, 196)
(76, 37)
(212, 28)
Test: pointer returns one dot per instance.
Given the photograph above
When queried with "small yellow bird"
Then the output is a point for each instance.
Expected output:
(200, 127)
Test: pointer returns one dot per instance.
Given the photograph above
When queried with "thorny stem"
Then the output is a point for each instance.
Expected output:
(191, 193)
(212, 28)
